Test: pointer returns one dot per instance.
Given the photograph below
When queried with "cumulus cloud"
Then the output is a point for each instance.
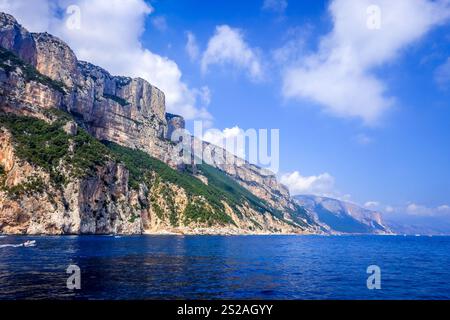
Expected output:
(231, 139)
(191, 46)
(322, 185)
(340, 76)
(278, 6)
(409, 209)
(109, 35)
(36, 16)
(228, 47)
(414, 209)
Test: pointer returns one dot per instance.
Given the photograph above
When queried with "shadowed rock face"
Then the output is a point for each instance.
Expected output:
(174, 122)
(126, 111)
(15, 38)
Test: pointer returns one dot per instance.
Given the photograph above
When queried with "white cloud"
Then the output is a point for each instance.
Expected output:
(322, 185)
(36, 16)
(191, 46)
(278, 6)
(415, 209)
(409, 209)
(228, 47)
(340, 75)
(371, 204)
(229, 139)
(444, 208)
(160, 23)
(109, 36)
(421, 210)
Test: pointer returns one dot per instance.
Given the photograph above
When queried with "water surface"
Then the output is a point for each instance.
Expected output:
(216, 267)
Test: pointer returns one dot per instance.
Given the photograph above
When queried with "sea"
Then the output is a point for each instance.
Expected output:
(225, 267)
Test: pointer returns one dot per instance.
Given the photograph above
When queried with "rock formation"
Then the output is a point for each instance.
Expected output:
(82, 104)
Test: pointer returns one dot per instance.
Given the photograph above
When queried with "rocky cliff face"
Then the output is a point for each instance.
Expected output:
(40, 74)
(15, 38)
(30, 203)
(342, 217)
(174, 123)
(259, 181)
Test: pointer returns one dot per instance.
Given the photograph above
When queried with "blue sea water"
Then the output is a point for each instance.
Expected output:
(216, 267)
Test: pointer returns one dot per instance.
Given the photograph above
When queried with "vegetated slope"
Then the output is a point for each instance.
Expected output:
(112, 188)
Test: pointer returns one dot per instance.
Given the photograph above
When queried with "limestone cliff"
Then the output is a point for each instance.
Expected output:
(41, 78)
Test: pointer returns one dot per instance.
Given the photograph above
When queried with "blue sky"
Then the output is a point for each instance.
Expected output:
(403, 158)
(363, 111)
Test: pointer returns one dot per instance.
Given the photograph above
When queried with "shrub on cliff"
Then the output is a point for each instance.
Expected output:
(46, 145)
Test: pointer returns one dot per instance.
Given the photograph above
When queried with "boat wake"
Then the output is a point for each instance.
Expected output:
(26, 244)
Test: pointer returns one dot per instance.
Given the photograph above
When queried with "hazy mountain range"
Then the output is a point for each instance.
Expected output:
(341, 217)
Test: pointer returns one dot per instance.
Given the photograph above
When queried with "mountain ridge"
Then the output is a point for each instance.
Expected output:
(46, 89)
(341, 217)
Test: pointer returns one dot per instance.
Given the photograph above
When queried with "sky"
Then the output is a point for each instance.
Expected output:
(359, 89)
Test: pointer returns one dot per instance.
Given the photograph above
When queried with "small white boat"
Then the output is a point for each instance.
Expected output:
(29, 243)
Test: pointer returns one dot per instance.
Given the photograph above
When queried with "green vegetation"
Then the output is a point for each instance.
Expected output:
(117, 99)
(47, 146)
(299, 214)
(58, 115)
(38, 142)
(133, 218)
(88, 154)
(140, 165)
(220, 187)
(10, 62)
(169, 196)
(2, 176)
(236, 193)
(32, 185)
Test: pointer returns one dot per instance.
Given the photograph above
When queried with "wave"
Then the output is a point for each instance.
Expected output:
(11, 245)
